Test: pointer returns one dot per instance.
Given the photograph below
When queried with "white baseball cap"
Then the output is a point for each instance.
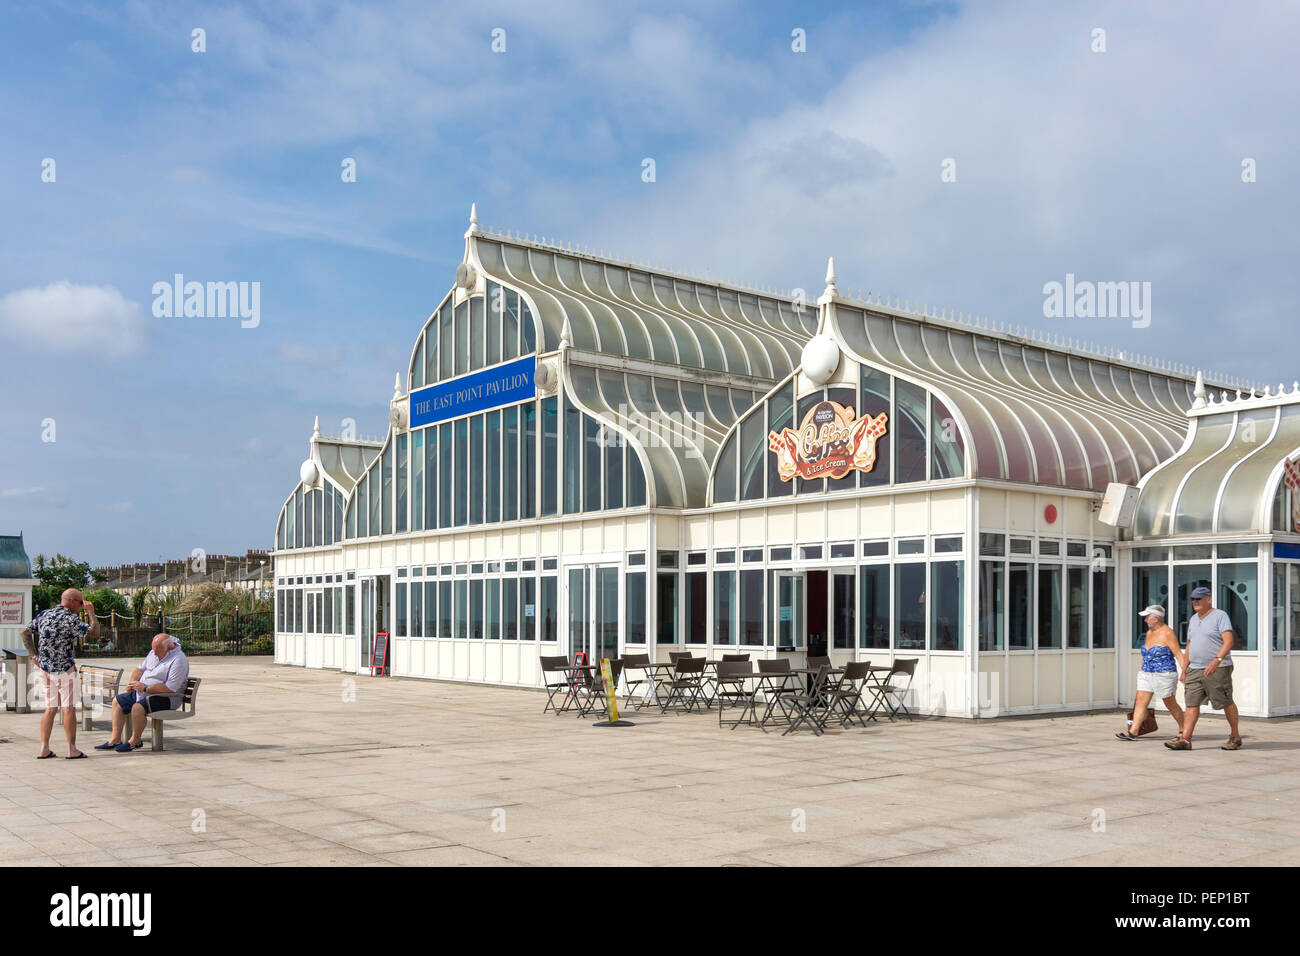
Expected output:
(1155, 609)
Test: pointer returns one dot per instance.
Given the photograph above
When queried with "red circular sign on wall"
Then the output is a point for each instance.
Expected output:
(1050, 514)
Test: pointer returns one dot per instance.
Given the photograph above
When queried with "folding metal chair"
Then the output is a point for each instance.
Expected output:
(688, 675)
(731, 683)
(646, 682)
(845, 695)
(808, 707)
(778, 666)
(555, 665)
(592, 688)
(887, 692)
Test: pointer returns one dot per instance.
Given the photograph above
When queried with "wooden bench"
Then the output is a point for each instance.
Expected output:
(187, 710)
(107, 681)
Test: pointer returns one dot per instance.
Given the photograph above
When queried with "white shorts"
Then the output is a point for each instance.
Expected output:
(61, 690)
(1160, 685)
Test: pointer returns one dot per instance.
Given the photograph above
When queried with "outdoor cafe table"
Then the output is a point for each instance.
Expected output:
(575, 674)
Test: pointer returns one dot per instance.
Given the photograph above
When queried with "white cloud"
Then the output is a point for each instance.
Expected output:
(65, 317)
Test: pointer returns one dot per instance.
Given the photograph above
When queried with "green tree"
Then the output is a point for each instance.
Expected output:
(106, 600)
(57, 576)
(140, 602)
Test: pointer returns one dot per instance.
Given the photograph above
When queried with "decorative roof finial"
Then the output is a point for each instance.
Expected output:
(1198, 393)
(397, 385)
(315, 432)
(566, 334)
(473, 229)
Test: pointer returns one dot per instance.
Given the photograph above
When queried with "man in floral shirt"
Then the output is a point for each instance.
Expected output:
(53, 634)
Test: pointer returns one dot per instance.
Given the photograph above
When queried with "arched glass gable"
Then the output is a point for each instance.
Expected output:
(311, 518)
(918, 439)
(483, 330)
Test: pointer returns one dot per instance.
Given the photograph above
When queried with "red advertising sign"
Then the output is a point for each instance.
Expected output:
(829, 443)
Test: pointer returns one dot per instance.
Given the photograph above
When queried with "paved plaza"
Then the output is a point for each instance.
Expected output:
(279, 768)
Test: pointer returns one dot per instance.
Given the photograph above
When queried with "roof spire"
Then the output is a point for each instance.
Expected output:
(315, 432)
(473, 229)
(397, 385)
(566, 334)
(1198, 393)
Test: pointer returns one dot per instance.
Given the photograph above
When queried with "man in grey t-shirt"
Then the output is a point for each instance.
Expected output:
(1210, 640)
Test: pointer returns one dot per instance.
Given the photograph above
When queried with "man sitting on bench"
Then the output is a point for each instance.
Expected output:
(157, 684)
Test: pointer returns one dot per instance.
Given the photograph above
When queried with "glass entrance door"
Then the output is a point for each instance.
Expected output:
(365, 636)
(593, 611)
(787, 609)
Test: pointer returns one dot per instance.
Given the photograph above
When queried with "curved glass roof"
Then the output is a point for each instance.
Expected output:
(1034, 414)
(1226, 476)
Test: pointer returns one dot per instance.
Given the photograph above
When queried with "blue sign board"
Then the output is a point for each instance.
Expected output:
(475, 392)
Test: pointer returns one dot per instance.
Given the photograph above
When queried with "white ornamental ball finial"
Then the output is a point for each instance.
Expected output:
(309, 473)
(821, 357)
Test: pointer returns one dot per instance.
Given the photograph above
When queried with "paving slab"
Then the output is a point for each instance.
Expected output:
(278, 769)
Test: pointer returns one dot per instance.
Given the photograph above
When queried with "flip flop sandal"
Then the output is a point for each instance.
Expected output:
(1127, 735)
(77, 757)
(45, 756)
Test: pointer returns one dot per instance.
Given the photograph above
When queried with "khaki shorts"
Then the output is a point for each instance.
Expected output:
(1217, 688)
(61, 690)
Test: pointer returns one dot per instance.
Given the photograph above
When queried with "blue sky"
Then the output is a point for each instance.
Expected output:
(173, 434)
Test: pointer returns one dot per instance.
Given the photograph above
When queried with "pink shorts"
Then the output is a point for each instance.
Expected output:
(61, 690)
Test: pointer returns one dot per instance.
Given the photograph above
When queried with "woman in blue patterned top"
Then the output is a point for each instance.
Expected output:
(1162, 659)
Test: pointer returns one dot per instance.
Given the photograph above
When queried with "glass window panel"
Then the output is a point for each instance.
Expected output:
(1150, 586)
(751, 606)
(1103, 607)
(548, 607)
(444, 609)
(1020, 606)
(697, 607)
(431, 352)
(1187, 578)
(614, 451)
(874, 388)
(430, 608)
(475, 471)
(417, 609)
(780, 414)
(528, 460)
(806, 404)
(993, 606)
(572, 458)
(842, 616)
(550, 458)
(461, 504)
(510, 324)
(462, 609)
(666, 605)
(402, 473)
(592, 456)
(430, 478)
(528, 327)
(993, 545)
(1293, 575)
(1239, 599)
(478, 332)
(417, 365)
(510, 464)
(399, 610)
(753, 453)
(946, 604)
(634, 607)
(446, 346)
(635, 480)
(724, 476)
(376, 496)
(387, 499)
(510, 609)
(528, 609)
(329, 513)
(909, 432)
(476, 609)
(848, 397)
(492, 611)
(1049, 606)
(873, 587)
(947, 447)
(417, 480)
(910, 604)
(724, 607)
(492, 469)
(446, 449)
(1076, 606)
(462, 338)
(495, 308)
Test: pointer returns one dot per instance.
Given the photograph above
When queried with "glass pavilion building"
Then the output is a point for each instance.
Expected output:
(593, 456)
